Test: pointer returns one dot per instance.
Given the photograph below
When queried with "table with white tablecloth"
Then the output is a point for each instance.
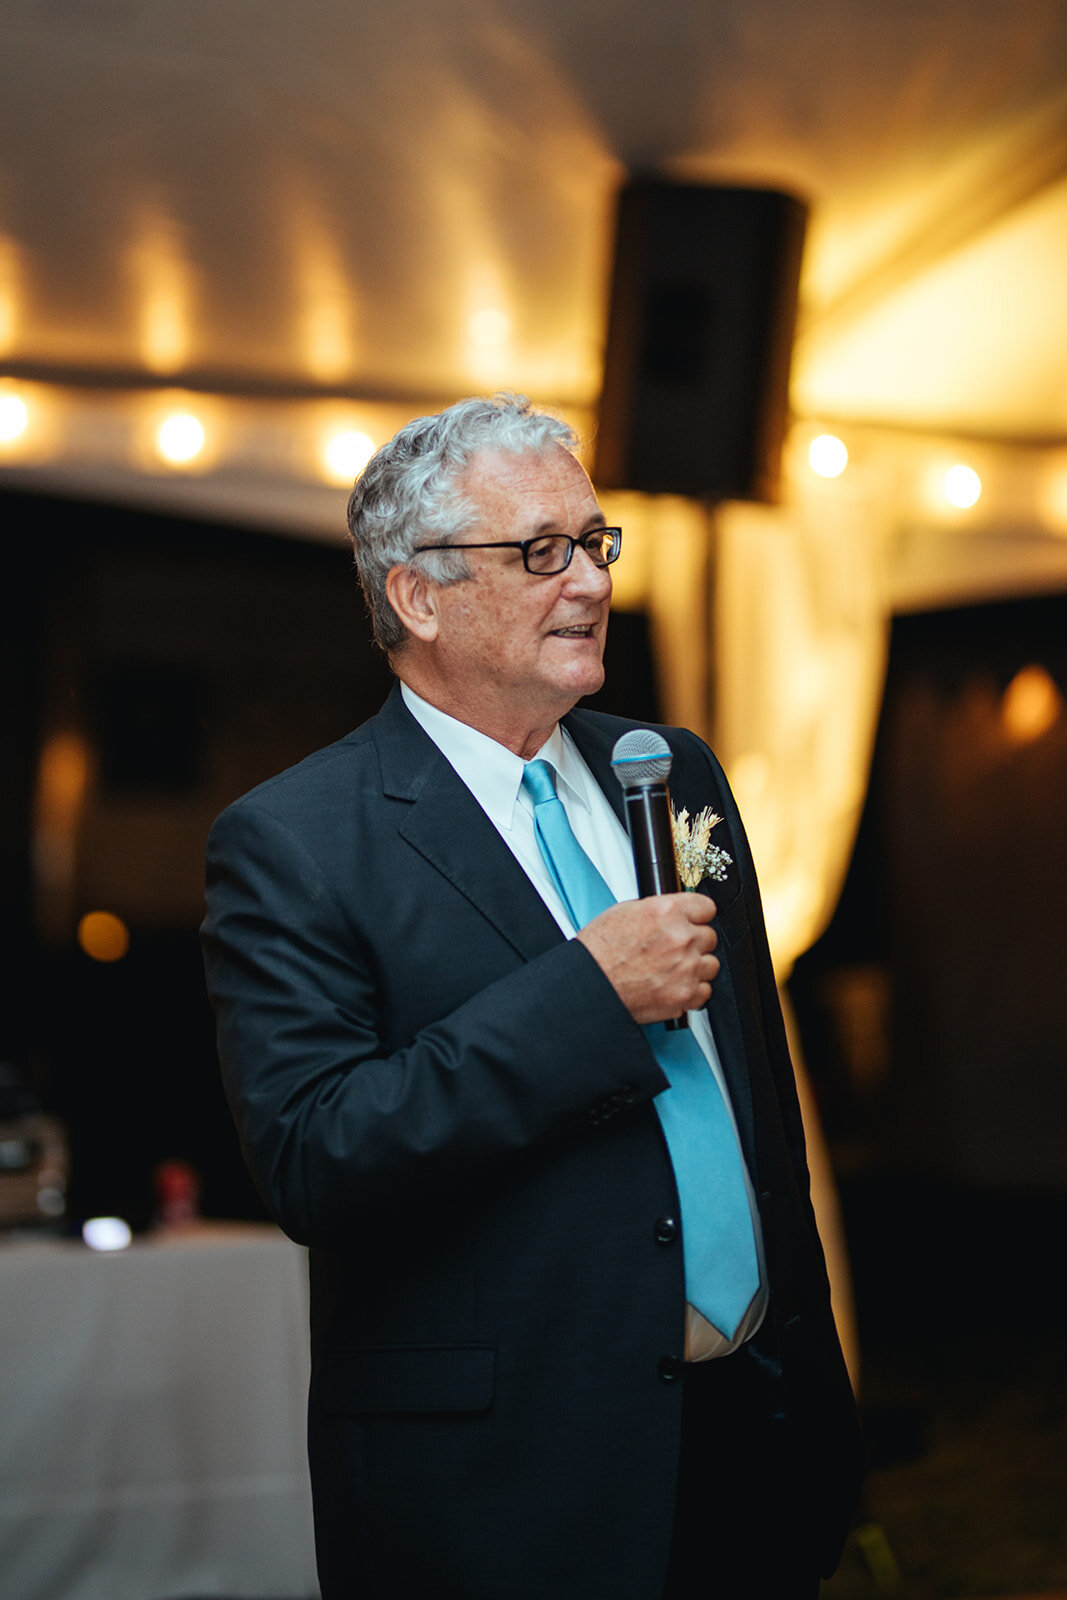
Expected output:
(152, 1418)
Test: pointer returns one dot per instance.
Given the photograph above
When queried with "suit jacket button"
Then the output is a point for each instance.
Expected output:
(670, 1368)
(665, 1230)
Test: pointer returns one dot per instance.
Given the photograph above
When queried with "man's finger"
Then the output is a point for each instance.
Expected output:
(699, 908)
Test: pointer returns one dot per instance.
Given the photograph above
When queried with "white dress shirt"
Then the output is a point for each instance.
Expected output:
(493, 774)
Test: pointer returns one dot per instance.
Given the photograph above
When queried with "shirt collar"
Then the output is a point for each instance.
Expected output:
(491, 771)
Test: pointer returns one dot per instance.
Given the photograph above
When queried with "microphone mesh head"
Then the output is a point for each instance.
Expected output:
(641, 757)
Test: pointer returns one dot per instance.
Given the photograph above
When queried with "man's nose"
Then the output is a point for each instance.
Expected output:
(585, 577)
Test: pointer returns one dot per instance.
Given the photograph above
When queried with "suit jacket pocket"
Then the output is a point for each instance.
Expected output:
(409, 1378)
(732, 922)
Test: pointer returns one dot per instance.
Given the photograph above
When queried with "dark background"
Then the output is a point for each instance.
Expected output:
(197, 660)
(193, 661)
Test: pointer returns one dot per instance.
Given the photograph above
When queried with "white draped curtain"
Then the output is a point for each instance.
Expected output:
(799, 634)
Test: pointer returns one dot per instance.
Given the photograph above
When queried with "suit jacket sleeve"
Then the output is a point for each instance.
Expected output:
(330, 1121)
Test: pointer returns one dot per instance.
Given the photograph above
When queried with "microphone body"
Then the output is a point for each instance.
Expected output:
(648, 818)
(641, 761)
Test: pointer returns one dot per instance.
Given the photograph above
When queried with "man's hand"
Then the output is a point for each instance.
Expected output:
(657, 953)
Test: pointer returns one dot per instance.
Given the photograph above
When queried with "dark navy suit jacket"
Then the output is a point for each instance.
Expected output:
(446, 1100)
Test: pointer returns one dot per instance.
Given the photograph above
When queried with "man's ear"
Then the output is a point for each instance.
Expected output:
(413, 598)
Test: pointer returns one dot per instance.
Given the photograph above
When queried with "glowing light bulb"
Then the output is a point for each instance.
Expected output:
(103, 936)
(345, 454)
(827, 456)
(962, 486)
(180, 437)
(14, 418)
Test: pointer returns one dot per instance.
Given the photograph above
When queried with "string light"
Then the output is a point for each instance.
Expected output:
(827, 456)
(194, 430)
(345, 453)
(14, 417)
(962, 486)
(180, 437)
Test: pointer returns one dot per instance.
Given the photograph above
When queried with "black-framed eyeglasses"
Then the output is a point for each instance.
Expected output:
(550, 553)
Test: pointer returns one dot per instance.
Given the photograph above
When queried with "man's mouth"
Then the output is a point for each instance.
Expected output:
(578, 630)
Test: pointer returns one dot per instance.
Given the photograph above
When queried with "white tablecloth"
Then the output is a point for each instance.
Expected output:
(152, 1419)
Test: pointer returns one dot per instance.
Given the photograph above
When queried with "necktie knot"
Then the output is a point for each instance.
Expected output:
(539, 781)
(578, 883)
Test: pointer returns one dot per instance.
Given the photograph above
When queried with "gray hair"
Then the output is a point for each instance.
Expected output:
(408, 493)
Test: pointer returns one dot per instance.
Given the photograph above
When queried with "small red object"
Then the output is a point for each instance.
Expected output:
(177, 1185)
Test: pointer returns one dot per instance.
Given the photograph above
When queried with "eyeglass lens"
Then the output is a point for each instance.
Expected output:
(553, 552)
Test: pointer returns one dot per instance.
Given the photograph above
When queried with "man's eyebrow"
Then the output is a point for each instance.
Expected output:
(595, 519)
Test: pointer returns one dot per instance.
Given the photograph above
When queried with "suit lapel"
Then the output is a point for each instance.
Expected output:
(691, 789)
(694, 790)
(446, 825)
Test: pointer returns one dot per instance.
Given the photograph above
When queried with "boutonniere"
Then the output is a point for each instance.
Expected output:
(694, 852)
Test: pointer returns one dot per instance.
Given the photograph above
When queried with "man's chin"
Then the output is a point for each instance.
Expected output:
(587, 683)
(580, 672)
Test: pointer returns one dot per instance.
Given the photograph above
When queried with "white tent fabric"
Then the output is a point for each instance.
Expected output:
(415, 197)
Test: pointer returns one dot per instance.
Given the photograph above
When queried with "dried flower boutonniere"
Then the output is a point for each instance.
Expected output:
(694, 852)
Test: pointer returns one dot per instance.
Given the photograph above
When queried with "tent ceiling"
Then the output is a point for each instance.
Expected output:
(414, 197)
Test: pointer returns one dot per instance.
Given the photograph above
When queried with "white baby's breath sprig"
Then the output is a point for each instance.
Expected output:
(694, 852)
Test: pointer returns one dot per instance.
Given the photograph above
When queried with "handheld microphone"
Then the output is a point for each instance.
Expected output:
(641, 760)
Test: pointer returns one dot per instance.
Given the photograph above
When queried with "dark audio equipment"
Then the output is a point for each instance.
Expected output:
(702, 315)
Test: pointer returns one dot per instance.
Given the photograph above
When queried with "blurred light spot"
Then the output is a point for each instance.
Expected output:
(327, 341)
(9, 293)
(107, 1233)
(63, 775)
(962, 486)
(14, 417)
(827, 456)
(1031, 705)
(489, 328)
(51, 1202)
(30, 418)
(163, 332)
(180, 437)
(14, 1155)
(161, 275)
(325, 300)
(345, 453)
(750, 774)
(103, 936)
(1054, 497)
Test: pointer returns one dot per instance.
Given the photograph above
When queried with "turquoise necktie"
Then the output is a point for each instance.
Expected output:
(721, 1267)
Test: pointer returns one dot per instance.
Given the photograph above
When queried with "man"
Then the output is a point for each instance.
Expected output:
(446, 1081)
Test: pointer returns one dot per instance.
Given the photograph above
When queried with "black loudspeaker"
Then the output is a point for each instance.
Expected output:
(700, 335)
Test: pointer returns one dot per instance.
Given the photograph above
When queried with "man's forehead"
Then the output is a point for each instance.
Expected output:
(529, 482)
